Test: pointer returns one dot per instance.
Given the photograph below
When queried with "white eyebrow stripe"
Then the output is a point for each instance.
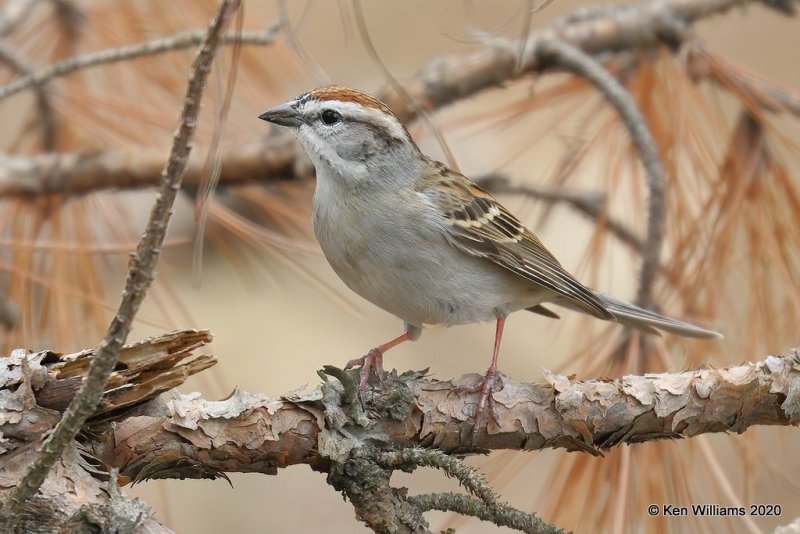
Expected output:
(361, 113)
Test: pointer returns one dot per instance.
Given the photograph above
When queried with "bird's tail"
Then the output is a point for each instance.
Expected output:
(636, 317)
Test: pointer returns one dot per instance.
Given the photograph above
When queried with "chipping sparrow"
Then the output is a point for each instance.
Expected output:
(424, 242)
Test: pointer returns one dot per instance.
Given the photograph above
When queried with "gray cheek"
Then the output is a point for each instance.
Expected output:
(355, 147)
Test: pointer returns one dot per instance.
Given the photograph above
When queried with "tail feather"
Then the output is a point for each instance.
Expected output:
(645, 320)
(636, 317)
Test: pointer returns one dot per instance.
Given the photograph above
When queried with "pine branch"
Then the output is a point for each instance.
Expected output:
(250, 432)
(400, 424)
(140, 275)
(601, 32)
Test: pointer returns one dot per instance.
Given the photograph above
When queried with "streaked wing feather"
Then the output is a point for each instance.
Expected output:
(482, 227)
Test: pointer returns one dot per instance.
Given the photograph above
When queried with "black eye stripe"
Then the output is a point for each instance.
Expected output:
(330, 117)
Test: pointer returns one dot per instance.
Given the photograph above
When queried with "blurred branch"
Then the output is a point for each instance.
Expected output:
(568, 57)
(46, 111)
(140, 274)
(789, 528)
(14, 12)
(596, 31)
(265, 159)
(445, 80)
(175, 42)
(8, 313)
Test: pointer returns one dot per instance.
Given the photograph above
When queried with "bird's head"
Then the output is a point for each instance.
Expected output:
(348, 134)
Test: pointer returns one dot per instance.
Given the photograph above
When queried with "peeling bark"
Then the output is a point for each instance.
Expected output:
(77, 497)
(253, 433)
(144, 370)
(72, 501)
(358, 439)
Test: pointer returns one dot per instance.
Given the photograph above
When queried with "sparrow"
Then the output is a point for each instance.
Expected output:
(424, 242)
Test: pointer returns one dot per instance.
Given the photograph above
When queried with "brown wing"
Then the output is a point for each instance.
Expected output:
(481, 226)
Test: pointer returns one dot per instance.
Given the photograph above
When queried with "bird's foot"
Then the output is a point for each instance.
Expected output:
(371, 360)
(492, 382)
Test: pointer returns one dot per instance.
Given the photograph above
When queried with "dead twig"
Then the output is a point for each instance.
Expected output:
(140, 275)
(144, 370)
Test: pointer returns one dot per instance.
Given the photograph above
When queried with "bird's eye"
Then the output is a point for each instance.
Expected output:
(330, 117)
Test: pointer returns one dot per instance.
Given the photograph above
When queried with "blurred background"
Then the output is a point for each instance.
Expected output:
(279, 313)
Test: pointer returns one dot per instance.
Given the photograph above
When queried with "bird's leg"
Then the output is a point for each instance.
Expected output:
(491, 382)
(374, 358)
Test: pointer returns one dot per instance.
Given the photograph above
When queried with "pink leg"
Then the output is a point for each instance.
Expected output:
(374, 358)
(490, 383)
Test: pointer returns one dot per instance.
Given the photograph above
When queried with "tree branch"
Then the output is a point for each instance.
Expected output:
(447, 79)
(46, 111)
(172, 43)
(253, 433)
(402, 423)
(140, 275)
(14, 12)
(265, 160)
(502, 515)
(384, 509)
(35, 387)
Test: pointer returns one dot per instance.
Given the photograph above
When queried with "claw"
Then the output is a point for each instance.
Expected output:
(492, 382)
(372, 359)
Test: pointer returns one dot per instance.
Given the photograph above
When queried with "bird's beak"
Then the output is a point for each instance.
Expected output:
(283, 115)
